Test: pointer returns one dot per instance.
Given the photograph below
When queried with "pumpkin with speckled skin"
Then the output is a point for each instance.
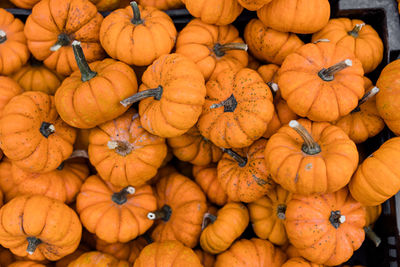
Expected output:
(207, 178)
(8, 89)
(96, 258)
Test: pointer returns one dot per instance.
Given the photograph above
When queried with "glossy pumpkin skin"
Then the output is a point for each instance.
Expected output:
(220, 12)
(255, 252)
(135, 159)
(109, 220)
(8, 89)
(178, 110)
(243, 121)
(232, 219)
(24, 143)
(50, 18)
(300, 262)
(167, 253)
(13, 49)
(253, 5)
(377, 178)
(302, 173)
(310, 96)
(319, 237)
(96, 258)
(267, 215)
(87, 104)
(298, 16)
(188, 205)
(207, 178)
(205, 258)
(267, 44)
(366, 44)
(26, 264)
(198, 41)
(123, 251)
(51, 221)
(163, 4)
(137, 43)
(7, 185)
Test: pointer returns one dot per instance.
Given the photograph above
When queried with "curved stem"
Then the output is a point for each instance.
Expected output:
(229, 104)
(164, 214)
(46, 129)
(280, 211)
(357, 28)
(33, 242)
(372, 236)
(207, 219)
(80, 153)
(62, 40)
(3, 36)
(309, 147)
(86, 72)
(136, 14)
(327, 74)
(155, 92)
(220, 49)
(239, 159)
(336, 218)
(368, 95)
(122, 148)
(121, 196)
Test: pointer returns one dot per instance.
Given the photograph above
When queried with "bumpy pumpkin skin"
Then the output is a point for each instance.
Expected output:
(96, 258)
(298, 16)
(253, 5)
(317, 234)
(267, 215)
(50, 18)
(51, 221)
(138, 43)
(365, 44)
(269, 45)
(13, 47)
(136, 157)
(219, 12)
(205, 258)
(7, 185)
(316, 98)
(24, 143)
(207, 178)
(239, 123)
(8, 89)
(199, 41)
(182, 97)
(300, 262)
(26, 264)
(120, 223)
(162, 4)
(377, 178)
(254, 252)
(167, 253)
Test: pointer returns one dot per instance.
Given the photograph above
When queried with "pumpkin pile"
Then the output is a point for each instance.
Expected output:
(128, 143)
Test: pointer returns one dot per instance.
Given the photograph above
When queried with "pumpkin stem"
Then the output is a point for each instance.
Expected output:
(357, 28)
(3, 36)
(62, 40)
(280, 211)
(136, 14)
(164, 213)
(309, 147)
(46, 129)
(220, 49)
(327, 74)
(86, 72)
(207, 219)
(239, 159)
(274, 87)
(120, 197)
(365, 98)
(80, 153)
(336, 218)
(321, 41)
(229, 104)
(155, 92)
(372, 236)
(33, 242)
(122, 148)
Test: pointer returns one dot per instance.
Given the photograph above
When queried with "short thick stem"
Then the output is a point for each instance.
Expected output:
(46, 129)
(3, 36)
(164, 214)
(336, 219)
(155, 92)
(372, 236)
(229, 104)
(207, 219)
(121, 196)
(33, 242)
(136, 14)
(327, 74)
(365, 98)
(309, 147)
(86, 72)
(280, 211)
(357, 28)
(220, 49)
(239, 159)
(122, 148)
(62, 40)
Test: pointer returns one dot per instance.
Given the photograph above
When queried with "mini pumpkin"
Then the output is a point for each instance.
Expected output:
(253, 5)
(8, 89)
(300, 262)
(96, 258)
(163, 4)
(205, 258)
(207, 178)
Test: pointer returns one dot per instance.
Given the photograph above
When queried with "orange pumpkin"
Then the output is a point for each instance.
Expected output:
(269, 45)
(137, 35)
(354, 34)
(205, 258)
(115, 214)
(13, 48)
(207, 178)
(124, 153)
(26, 264)
(91, 95)
(174, 104)
(237, 109)
(303, 157)
(300, 262)
(33, 136)
(65, 261)
(96, 258)
(181, 205)
(213, 48)
(163, 4)
(325, 229)
(253, 5)
(8, 89)
(7, 186)
(39, 228)
(106, 5)
(52, 27)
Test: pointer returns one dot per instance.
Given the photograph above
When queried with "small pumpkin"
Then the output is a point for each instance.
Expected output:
(300, 262)
(224, 228)
(124, 153)
(115, 214)
(7, 186)
(303, 157)
(96, 258)
(267, 44)
(327, 228)
(213, 48)
(33, 136)
(8, 89)
(163, 4)
(205, 258)
(26, 4)
(26, 264)
(13, 47)
(207, 178)
(253, 5)
(137, 35)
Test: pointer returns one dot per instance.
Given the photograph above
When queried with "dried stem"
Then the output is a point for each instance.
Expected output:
(155, 92)
(33, 242)
(122, 148)
(309, 147)
(220, 49)
(229, 104)
(372, 236)
(207, 219)
(136, 14)
(368, 95)
(46, 129)
(3, 36)
(121, 196)
(164, 213)
(327, 74)
(357, 28)
(62, 40)
(239, 159)
(86, 72)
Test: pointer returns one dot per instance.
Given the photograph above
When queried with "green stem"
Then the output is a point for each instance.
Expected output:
(121, 196)
(86, 72)
(155, 92)
(327, 74)
(239, 159)
(136, 14)
(62, 40)
(357, 28)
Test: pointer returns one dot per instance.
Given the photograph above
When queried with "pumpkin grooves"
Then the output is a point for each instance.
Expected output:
(229, 104)
(3, 36)
(372, 235)
(155, 92)
(86, 72)
(327, 74)
(207, 219)
(33, 242)
(239, 159)
(365, 98)
(121, 196)
(336, 218)
(219, 49)
(122, 148)
(309, 146)
(280, 211)
(164, 213)
(136, 14)
(62, 40)
(46, 129)
(354, 32)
